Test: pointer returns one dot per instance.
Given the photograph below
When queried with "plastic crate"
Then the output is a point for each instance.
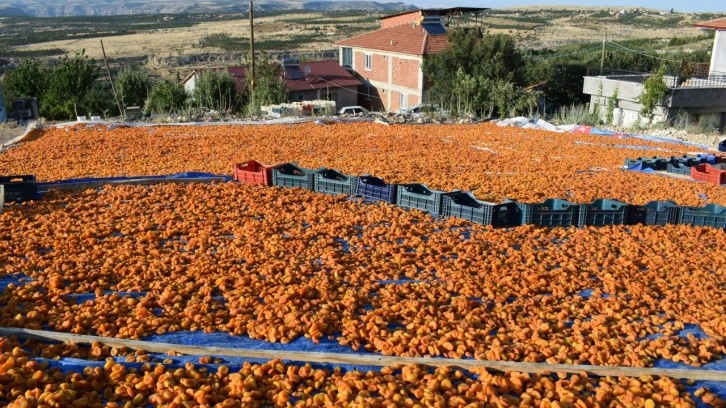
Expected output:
(679, 168)
(465, 205)
(707, 158)
(722, 146)
(253, 172)
(375, 188)
(553, 212)
(420, 197)
(708, 174)
(712, 215)
(290, 175)
(332, 182)
(19, 188)
(654, 213)
(605, 212)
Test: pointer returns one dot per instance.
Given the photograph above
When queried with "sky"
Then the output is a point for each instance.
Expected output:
(679, 5)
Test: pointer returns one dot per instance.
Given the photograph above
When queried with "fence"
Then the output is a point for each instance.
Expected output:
(672, 78)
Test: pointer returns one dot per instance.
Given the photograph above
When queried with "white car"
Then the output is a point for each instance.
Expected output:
(353, 110)
(425, 108)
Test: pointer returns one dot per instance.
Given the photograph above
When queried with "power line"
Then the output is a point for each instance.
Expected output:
(641, 53)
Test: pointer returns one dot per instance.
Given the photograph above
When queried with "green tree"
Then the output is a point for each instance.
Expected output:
(475, 75)
(215, 90)
(166, 97)
(133, 86)
(654, 90)
(29, 79)
(71, 80)
(269, 86)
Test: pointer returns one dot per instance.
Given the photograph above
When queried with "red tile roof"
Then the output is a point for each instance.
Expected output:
(405, 39)
(719, 24)
(322, 74)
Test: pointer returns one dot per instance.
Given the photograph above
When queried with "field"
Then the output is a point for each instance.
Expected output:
(289, 269)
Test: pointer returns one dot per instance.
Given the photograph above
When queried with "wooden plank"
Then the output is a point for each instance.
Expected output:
(366, 359)
(82, 185)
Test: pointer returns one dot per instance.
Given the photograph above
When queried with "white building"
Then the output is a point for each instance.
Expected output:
(718, 57)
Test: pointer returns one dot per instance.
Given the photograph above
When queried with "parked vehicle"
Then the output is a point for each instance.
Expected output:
(353, 110)
(425, 109)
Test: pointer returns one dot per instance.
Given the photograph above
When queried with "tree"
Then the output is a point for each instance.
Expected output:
(654, 90)
(216, 90)
(476, 75)
(133, 86)
(29, 79)
(166, 97)
(269, 87)
(70, 82)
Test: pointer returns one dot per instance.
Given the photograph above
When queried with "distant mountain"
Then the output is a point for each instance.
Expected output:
(11, 11)
(58, 8)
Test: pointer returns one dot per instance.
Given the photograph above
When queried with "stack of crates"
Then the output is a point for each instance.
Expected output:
(654, 213)
(332, 182)
(19, 188)
(420, 197)
(375, 188)
(553, 212)
(290, 175)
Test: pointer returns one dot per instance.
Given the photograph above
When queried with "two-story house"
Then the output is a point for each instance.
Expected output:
(390, 60)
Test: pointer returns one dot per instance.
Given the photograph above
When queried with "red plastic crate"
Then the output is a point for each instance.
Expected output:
(708, 173)
(253, 172)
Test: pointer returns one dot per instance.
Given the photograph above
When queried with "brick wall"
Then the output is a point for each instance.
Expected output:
(405, 72)
(409, 18)
(379, 71)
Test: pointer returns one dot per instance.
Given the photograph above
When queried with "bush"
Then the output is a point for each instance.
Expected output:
(133, 86)
(166, 97)
(215, 90)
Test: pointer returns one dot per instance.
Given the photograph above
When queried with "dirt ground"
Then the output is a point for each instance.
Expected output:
(9, 131)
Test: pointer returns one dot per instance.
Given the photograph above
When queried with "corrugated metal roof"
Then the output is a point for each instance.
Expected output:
(719, 24)
(405, 39)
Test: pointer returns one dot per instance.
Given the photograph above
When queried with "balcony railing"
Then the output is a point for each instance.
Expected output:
(672, 79)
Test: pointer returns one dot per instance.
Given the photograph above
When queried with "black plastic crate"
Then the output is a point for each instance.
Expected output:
(654, 213)
(465, 205)
(375, 188)
(290, 175)
(712, 215)
(679, 168)
(420, 197)
(333, 182)
(19, 188)
(553, 212)
(605, 212)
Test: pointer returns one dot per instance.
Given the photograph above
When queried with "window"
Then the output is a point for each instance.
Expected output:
(347, 56)
(403, 101)
(369, 62)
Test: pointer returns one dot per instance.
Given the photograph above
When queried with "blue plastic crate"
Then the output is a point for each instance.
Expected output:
(712, 215)
(679, 168)
(553, 212)
(708, 158)
(333, 182)
(465, 205)
(19, 188)
(654, 213)
(375, 188)
(290, 175)
(420, 197)
(604, 212)
(722, 146)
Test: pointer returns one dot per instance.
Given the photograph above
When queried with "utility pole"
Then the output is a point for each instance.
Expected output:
(602, 58)
(110, 78)
(252, 53)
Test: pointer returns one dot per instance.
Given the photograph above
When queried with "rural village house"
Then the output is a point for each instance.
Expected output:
(305, 81)
(390, 60)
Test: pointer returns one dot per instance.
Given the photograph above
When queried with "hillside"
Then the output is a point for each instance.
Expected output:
(65, 8)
